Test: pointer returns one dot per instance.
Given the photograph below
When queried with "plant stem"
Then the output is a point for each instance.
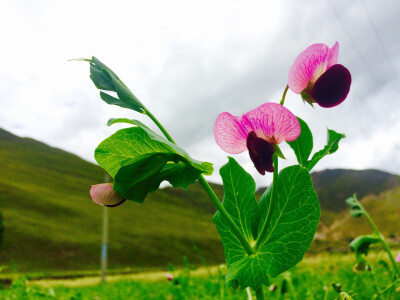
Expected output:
(210, 193)
(284, 95)
(382, 239)
(260, 293)
(385, 289)
(248, 291)
(271, 204)
(226, 215)
(154, 119)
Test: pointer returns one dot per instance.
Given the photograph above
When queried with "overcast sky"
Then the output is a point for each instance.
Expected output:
(188, 61)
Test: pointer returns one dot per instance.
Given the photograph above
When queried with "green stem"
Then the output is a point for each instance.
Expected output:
(271, 204)
(382, 239)
(385, 289)
(260, 293)
(210, 193)
(154, 119)
(226, 215)
(284, 95)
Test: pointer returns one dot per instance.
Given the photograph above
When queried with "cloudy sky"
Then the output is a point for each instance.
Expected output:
(188, 61)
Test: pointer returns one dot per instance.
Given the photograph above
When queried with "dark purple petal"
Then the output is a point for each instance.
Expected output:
(332, 87)
(261, 153)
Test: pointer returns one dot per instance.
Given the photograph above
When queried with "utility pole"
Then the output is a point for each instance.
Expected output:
(104, 248)
(104, 245)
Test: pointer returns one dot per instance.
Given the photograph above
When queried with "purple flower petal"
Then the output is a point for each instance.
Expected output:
(261, 153)
(332, 87)
(270, 121)
(310, 65)
(104, 194)
(398, 258)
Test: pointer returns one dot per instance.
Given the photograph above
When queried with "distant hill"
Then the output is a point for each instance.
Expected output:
(384, 210)
(52, 224)
(334, 186)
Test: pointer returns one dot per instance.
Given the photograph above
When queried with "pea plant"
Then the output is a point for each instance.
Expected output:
(263, 238)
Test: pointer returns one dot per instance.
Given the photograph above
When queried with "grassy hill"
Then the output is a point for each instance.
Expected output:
(384, 210)
(52, 223)
(334, 186)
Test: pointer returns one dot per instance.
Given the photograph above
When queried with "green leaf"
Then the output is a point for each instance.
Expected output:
(154, 136)
(303, 145)
(331, 147)
(294, 219)
(112, 100)
(240, 202)
(105, 79)
(124, 94)
(293, 224)
(139, 160)
(360, 245)
(356, 210)
(278, 152)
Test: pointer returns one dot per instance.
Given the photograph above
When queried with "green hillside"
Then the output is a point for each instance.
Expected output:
(384, 210)
(52, 223)
(334, 186)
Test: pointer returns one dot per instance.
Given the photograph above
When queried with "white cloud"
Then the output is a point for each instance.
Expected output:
(189, 61)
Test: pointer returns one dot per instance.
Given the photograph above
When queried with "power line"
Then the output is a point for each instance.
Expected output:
(388, 60)
(352, 42)
(299, 15)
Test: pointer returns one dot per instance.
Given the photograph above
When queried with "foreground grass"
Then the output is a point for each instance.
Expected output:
(313, 278)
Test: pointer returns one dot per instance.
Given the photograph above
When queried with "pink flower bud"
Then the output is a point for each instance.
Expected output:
(170, 276)
(104, 194)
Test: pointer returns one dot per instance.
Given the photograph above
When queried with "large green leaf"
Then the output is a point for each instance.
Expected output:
(303, 145)
(139, 160)
(105, 79)
(331, 147)
(293, 224)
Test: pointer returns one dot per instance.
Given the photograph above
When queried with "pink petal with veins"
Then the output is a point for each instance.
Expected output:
(104, 194)
(270, 121)
(310, 65)
(230, 134)
(273, 122)
(333, 55)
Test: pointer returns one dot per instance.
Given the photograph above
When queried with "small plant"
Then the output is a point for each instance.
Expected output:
(261, 239)
(360, 245)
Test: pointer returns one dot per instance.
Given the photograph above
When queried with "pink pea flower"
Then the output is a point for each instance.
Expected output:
(170, 276)
(398, 258)
(316, 75)
(258, 131)
(104, 194)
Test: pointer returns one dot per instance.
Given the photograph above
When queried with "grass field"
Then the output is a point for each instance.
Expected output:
(313, 278)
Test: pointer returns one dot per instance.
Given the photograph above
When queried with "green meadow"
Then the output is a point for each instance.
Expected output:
(316, 277)
(52, 237)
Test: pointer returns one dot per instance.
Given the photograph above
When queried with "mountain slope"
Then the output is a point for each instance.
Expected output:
(51, 222)
(384, 210)
(335, 186)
